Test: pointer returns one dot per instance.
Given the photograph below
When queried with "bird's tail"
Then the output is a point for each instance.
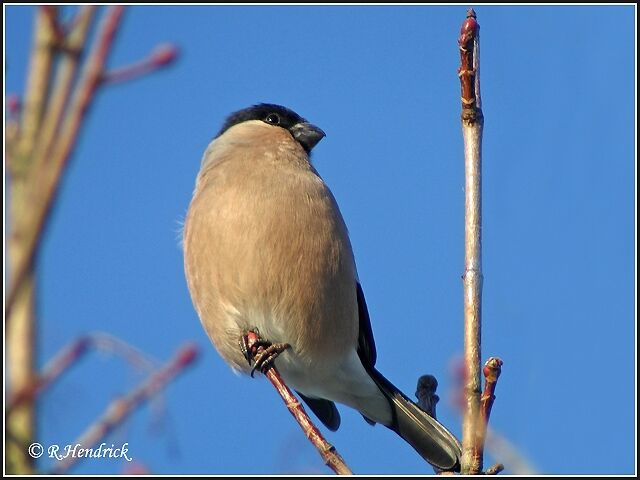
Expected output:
(424, 433)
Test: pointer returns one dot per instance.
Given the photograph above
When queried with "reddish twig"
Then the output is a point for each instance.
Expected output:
(491, 372)
(161, 56)
(120, 409)
(51, 372)
(71, 355)
(327, 451)
(469, 71)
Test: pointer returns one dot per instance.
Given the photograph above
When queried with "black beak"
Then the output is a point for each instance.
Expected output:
(307, 135)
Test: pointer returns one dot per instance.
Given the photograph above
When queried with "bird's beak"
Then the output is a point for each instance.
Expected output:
(307, 134)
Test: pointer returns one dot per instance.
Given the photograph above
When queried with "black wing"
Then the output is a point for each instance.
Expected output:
(325, 410)
(366, 344)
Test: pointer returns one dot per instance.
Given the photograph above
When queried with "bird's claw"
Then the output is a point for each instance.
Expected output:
(262, 352)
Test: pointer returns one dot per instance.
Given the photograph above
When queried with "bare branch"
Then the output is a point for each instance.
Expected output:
(71, 47)
(40, 65)
(120, 409)
(160, 57)
(50, 373)
(71, 355)
(327, 451)
(45, 184)
(472, 122)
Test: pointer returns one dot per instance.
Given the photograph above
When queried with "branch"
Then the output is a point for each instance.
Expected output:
(472, 122)
(327, 451)
(62, 125)
(70, 356)
(40, 65)
(50, 373)
(120, 409)
(161, 56)
(71, 47)
(20, 135)
(44, 184)
(491, 371)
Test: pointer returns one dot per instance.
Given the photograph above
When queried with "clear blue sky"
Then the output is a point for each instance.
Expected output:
(559, 218)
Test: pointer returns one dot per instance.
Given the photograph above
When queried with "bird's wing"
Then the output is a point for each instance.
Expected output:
(325, 410)
(366, 343)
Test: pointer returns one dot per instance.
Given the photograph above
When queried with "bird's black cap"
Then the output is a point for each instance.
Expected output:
(306, 134)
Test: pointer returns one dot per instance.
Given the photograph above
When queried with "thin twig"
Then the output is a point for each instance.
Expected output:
(160, 56)
(71, 355)
(50, 373)
(120, 409)
(491, 371)
(472, 122)
(327, 451)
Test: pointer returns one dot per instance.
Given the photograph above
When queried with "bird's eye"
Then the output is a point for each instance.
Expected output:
(273, 119)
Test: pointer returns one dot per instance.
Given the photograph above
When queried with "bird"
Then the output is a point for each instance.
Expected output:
(266, 250)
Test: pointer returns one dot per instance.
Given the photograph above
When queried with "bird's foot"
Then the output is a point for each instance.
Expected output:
(262, 352)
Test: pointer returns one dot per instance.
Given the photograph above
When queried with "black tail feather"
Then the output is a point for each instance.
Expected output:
(425, 434)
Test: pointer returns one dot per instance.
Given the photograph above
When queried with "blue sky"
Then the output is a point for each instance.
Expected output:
(558, 206)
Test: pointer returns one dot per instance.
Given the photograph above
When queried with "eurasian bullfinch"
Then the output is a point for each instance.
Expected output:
(266, 250)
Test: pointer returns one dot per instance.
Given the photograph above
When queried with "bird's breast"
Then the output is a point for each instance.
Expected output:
(266, 247)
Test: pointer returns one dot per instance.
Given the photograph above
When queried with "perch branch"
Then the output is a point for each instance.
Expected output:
(120, 409)
(327, 451)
